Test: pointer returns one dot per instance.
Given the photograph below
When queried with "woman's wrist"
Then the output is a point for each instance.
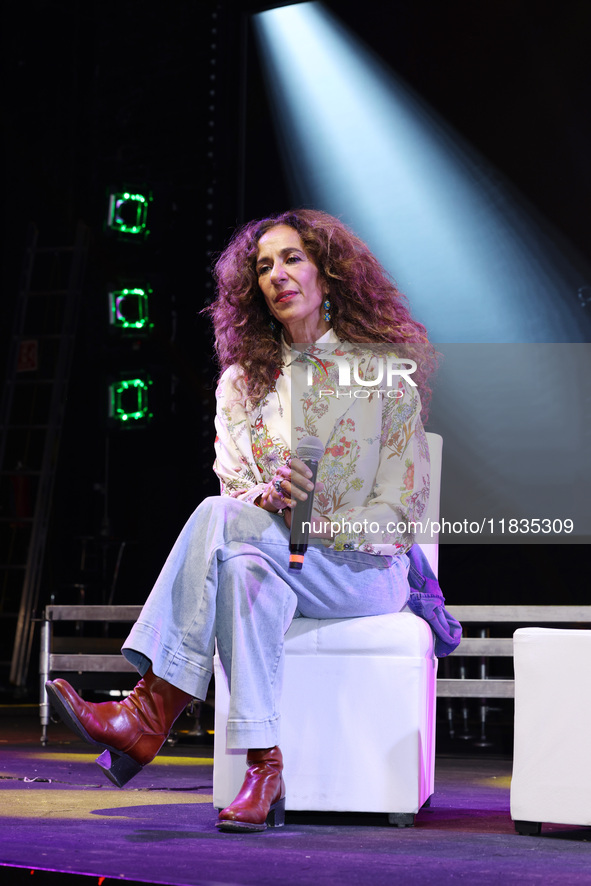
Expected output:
(262, 501)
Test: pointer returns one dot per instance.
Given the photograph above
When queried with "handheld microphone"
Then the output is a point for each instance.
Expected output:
(310, 450)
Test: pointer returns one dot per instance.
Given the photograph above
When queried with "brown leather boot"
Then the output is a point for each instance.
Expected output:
(131, 731)
(261, 800)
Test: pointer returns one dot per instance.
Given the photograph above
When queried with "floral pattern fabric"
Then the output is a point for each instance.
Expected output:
(375, 467)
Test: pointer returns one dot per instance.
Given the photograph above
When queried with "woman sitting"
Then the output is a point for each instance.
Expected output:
(304, 278)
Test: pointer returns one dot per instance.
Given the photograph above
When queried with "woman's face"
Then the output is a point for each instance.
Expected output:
(291, 284)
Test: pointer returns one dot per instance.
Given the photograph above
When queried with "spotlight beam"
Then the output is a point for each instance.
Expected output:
(357, 142)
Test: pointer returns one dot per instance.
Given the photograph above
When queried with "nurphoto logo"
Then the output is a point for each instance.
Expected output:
(390, 370)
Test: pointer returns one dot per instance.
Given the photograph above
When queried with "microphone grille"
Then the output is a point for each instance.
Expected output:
(310, 448)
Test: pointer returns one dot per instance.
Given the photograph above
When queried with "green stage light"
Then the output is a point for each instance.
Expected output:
(128, 213)
(129, 310)
(129, 402)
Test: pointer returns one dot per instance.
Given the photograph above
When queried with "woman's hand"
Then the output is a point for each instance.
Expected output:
(290, 483)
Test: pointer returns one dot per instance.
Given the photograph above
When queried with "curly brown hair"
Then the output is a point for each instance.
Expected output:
(365, 305)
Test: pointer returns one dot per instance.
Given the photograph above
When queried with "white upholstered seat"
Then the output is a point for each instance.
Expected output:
(551, 779)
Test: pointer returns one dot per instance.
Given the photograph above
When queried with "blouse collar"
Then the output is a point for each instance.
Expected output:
(329, 337)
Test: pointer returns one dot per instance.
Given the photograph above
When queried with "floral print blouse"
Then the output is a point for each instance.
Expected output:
(375, 467)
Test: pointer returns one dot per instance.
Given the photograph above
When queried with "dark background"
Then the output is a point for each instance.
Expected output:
(169, 96)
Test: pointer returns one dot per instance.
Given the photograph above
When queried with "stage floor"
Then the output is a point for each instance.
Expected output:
(59, 813)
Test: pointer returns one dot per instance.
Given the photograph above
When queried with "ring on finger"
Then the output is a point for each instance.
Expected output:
(277, 485)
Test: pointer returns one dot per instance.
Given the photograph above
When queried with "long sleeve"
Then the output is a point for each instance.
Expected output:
(395, 471)
(249, 445)
(375, 467)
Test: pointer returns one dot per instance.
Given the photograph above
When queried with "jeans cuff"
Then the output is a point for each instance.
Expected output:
(252, 733)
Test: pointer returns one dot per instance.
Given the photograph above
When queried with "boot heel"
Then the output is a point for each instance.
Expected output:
(276, 816)
(118, 769)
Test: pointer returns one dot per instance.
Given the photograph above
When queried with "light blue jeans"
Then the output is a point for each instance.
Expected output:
(227, 579)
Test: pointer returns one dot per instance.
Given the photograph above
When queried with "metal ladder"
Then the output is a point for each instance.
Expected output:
(31, 420)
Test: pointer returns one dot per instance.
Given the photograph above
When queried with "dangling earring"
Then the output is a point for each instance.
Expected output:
(326, 306)
(272, 325)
